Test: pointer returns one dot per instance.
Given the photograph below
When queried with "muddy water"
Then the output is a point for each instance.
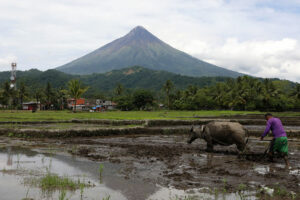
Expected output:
(20, 165)
(142, 167)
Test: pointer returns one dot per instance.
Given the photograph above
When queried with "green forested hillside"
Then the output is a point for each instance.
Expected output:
(142, 88)
(131, 78)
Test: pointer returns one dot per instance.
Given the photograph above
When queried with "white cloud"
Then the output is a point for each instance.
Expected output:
(271, 58)
(5, 62)
(261, 35)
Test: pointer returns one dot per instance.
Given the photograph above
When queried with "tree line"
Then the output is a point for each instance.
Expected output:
(242, 93)
(49, 97)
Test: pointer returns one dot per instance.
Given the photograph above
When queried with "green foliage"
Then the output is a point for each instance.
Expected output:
(10, 134)
(178, 92)
(62, 195)
(101, 167)
(21, 116)
(125, 102)
(131, 78)
(106, 198)
(168, 87)
(143, 99)
(76, 90)
(280, 191)
(53, 181)
(243, 93)
(22, 92)
(119, 89)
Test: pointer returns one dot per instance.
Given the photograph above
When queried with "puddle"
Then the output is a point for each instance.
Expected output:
(140, 168)
(263, 170)
(295, 172)
(20, 165)
(195, 194)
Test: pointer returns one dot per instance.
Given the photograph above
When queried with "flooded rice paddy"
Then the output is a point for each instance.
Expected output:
(138, 167)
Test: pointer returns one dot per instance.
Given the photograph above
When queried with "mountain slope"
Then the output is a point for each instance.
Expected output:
(132, 78)
(140, 47)
(139, 77)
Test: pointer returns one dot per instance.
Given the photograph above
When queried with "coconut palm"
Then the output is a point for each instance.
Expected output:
(22, 92)
(76, 90)
(49, 93)
(62, 96)
(296, 92)
(119, 89)
(168, 87)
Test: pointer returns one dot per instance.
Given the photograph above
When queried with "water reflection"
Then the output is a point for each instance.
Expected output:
(20, 165)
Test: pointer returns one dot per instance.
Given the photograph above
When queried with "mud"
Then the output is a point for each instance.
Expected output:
(167, 160)
(62, 130)
(153, 158)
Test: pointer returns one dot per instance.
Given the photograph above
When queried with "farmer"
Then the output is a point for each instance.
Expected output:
(279, 143)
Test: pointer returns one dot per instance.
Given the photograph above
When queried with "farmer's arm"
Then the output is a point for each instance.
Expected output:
(268, 127)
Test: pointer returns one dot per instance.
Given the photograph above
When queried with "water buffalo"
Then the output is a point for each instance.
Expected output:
(221, 133)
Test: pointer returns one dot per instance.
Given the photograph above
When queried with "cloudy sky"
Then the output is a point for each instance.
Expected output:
(257, 37)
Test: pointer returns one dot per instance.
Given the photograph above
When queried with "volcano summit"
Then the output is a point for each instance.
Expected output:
(141, 48)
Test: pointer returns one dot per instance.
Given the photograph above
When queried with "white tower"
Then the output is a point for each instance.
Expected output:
(13, 77)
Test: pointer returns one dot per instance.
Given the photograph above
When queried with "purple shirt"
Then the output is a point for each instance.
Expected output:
(275, 125)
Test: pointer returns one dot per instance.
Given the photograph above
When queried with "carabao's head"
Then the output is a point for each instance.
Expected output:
(195, 133)
(268, 116)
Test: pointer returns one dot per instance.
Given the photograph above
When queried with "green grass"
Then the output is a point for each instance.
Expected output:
(53, 181)
(62, 195)
(120, 115)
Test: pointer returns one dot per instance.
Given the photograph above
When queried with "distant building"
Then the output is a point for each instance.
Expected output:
(81, 104)
(102, 105)
(109, 105)
(31, 106)
(94, 105)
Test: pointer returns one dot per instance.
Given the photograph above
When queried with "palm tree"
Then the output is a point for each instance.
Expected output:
(22, 92)
(38, 94)
(48, 93)
(270, 93)
(62, 95)
(168, 86)
(7, 93)
(76, 90)
(119, 89)
(296, 92)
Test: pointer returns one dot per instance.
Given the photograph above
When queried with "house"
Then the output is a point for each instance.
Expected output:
(31, 106)
(109, 105)
(97, 108)
(81, 104)
(102, 105)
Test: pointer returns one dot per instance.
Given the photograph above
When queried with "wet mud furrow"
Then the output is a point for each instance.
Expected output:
(169, 161)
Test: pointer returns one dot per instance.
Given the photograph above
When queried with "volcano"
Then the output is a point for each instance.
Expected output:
(141, 48)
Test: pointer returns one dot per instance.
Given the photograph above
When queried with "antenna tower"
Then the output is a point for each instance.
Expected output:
(13, 77)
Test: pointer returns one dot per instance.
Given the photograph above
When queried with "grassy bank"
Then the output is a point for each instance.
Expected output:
(120, 115)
